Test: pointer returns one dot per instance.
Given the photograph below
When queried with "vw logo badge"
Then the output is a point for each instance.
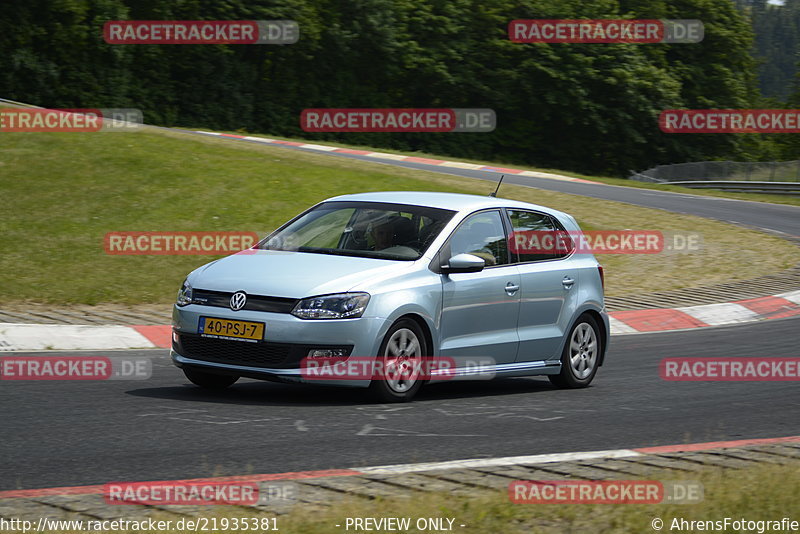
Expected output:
(238, 300)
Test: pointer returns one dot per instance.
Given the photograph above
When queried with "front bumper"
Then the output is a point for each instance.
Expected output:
(287, 340)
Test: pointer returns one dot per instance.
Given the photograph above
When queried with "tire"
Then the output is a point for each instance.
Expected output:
(580, 356)
(209, 380)
(404, 344)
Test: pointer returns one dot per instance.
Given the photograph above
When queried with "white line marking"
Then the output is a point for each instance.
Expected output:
(319, 147)
(793, 296)
(497, 462)
(259, 139)
(383, 155)
(722, 313)
(169, 413)
(532, 417)
(547, 175)
(300, 425)
(372, 430)
(72, 337)
(234, 422)
(461, 165)
(618, 327)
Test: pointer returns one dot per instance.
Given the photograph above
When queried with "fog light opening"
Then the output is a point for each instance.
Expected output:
(327, 353)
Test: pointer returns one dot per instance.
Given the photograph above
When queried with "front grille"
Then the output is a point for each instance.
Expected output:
(233, 352)
(222, 299)
(260, 354)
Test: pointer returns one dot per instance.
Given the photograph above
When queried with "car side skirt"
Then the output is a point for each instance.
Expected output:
(543, 367)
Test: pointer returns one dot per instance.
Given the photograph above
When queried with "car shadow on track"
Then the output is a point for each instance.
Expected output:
(254, 392)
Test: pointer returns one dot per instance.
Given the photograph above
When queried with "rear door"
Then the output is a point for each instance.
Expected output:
(549, 283)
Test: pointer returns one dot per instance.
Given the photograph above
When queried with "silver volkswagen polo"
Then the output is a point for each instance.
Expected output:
(397, 278)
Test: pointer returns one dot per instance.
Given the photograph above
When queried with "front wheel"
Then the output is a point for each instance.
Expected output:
(209, 380)
(581, 355)
(400, 361)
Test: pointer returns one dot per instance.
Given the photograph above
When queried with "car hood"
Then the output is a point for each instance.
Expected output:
(291, 274)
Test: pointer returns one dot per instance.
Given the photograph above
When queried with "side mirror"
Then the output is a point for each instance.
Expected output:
(464, 263)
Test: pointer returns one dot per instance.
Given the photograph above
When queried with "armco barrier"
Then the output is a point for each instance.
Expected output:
(774, 177)
(775, 188)
(729, 171)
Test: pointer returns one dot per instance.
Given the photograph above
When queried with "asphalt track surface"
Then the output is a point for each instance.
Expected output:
(76, 433)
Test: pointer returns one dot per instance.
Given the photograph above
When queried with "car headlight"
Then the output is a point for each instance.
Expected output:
(339, 306)
(184, 295)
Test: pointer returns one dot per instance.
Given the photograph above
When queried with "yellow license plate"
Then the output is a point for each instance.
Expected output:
(225, 328)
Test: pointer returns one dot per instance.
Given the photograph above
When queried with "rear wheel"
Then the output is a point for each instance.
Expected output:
(580, 356)
(400, 359)
(209, 380)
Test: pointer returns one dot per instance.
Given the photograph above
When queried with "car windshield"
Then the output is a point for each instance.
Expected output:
(364, 229)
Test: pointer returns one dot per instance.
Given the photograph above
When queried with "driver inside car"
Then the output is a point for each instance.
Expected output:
(395, 231)
(382, 235)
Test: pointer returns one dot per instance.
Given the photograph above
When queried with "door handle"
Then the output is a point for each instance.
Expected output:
(568, 282)
(511, 288)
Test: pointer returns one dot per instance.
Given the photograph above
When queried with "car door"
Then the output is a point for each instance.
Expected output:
(549, 283)
(480, 310)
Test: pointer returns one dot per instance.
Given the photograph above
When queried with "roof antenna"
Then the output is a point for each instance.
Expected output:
(498, 186)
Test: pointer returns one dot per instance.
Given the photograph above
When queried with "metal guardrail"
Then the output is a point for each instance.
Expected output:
(738, 171)
(775, 188)
(776, 177)
(639, 177)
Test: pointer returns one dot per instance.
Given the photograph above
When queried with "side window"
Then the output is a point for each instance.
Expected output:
(536, 237)
(482, 235)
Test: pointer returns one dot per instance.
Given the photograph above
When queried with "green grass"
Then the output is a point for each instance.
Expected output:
(623, 182)
(63, 192)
